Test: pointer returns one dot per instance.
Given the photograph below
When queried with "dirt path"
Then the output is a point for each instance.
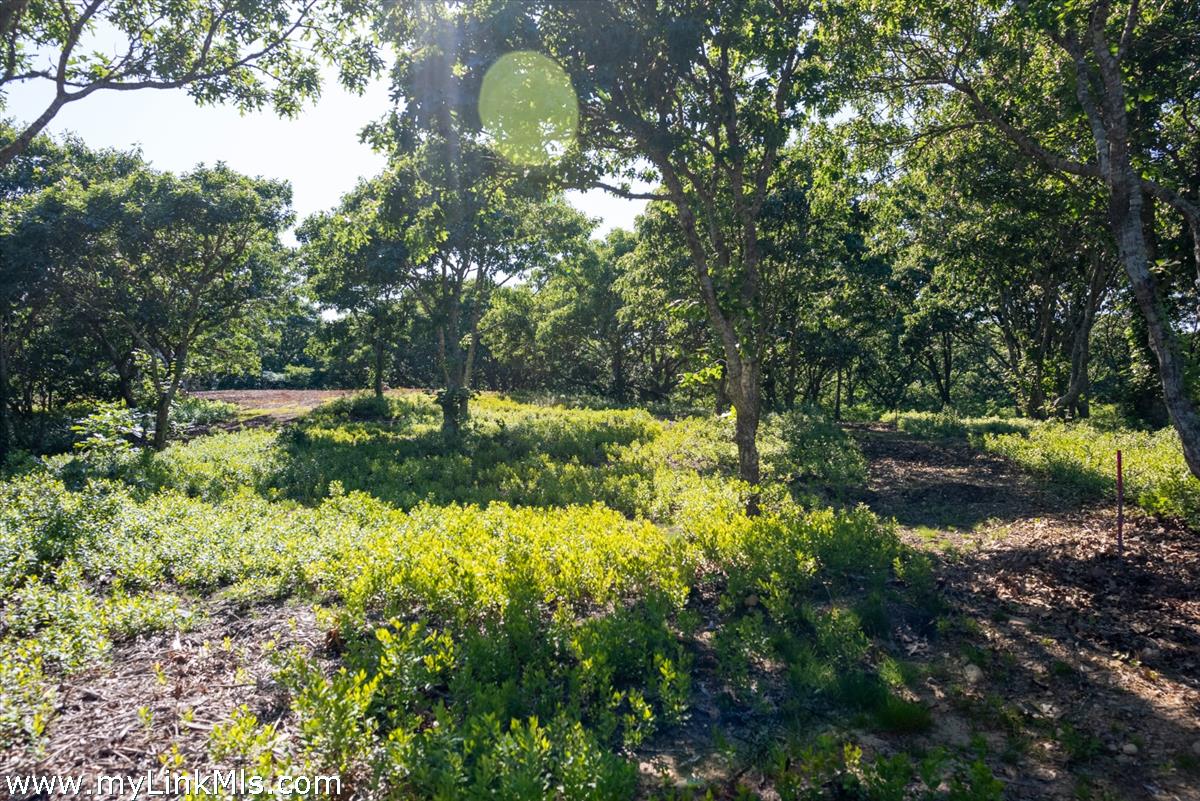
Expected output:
(1077, 674)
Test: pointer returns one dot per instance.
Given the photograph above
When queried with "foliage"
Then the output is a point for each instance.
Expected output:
(251, 54)
(508, 618)
(844, 218)
(819, 450)
(104, 434)
(169, 261)
(949, 425)
(192, 410)
(1082, 458)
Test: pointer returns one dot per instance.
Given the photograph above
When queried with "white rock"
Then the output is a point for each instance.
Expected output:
(973, 674)
(1129, 748)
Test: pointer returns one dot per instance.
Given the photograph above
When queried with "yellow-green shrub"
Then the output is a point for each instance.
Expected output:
(1084, 458)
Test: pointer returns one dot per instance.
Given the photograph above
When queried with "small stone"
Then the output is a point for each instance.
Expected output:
(1196, 748)
(1129, 748)
(1149, 653)
(1044, 773)
(752, 600)
(973, 674)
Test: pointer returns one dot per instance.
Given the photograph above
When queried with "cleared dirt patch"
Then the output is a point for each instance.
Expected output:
(160, 695)
(946, 484)
(279, 405)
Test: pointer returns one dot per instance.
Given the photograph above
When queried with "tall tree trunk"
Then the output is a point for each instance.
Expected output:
(162, 419)
(941, 367)
(1109, 121)
(378, 375)
(722, 400)
(453, 399)
(123, 361)
(745, 388)
(455, 411)
(837, 397)
(1035, 404)
(1131, 245)
(125, 388)
(1074, 401)
(166, 396)
(7, 436)
(618, 383)
(740, 331)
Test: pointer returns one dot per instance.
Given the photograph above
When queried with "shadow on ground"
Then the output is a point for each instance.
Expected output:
(946, 485)
(1088, 664)
(1076, 672)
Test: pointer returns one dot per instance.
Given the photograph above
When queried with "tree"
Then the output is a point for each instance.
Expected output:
(1015, 257)
(1118, 79)
(485, 236)
(483, 220)
(167, 260)
(510, 332)
(30, 299)
(706, 94)
(669, 333)
(579, 330)
(358, 264)
(249, 52)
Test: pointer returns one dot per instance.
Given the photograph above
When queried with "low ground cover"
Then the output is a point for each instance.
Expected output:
(527, 614)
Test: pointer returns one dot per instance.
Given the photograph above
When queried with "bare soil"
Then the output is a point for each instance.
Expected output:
(1086, 677)
(153, 704)
(274, 405)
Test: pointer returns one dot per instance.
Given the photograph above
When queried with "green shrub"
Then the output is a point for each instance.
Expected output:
(191, 410)
(298, 376)
(103, 437)
(818, 450)
(514, 617)
(949, 425)
(1081, 458)
(361, 407)
(826, 768)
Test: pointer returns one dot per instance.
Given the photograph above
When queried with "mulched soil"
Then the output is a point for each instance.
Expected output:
(1086, 668)
(163, 693)
(946, 485)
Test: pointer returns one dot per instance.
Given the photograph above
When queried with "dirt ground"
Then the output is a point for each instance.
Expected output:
(155, 701)
(1079, 672)
(274, 405)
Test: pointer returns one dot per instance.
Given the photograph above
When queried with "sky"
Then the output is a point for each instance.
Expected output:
(318, 152)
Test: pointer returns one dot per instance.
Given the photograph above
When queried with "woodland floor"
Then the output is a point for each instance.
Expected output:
(1086, 669)
(1076, 675)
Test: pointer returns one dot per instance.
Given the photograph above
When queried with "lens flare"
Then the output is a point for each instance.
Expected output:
(528, 108)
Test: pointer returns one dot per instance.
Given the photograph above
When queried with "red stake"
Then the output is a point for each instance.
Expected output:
(1120, 509)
